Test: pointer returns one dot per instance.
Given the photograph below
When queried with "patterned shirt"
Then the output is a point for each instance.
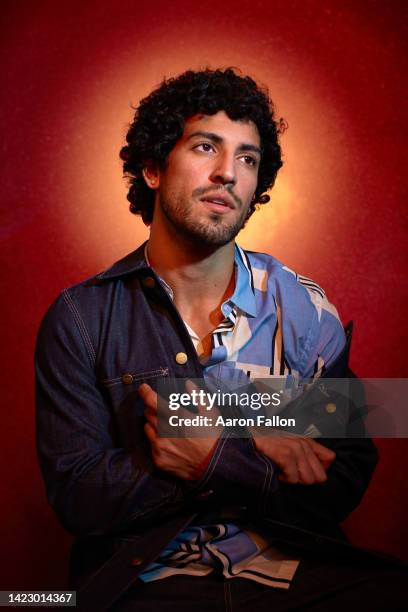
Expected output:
(276, 323)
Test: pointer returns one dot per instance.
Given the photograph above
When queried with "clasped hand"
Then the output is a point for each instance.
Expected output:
(187, 458)
(301, 460)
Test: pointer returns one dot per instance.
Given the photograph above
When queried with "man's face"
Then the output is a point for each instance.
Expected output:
(205, 191)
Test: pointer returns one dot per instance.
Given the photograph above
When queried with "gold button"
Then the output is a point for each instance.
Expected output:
(181, 358)
(137, 561)
(149, 282)
(127, 379)
(330, 407)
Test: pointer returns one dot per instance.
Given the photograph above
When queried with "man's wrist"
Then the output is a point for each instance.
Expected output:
(237, 470)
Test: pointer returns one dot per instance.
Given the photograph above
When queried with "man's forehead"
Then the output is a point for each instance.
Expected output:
(242, 129)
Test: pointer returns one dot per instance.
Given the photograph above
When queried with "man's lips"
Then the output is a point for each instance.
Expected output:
(219, 201)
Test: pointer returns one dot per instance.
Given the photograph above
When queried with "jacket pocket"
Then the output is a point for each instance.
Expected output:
(128, 378)
(127, 407)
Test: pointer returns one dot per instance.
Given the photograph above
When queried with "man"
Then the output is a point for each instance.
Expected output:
(212, 521)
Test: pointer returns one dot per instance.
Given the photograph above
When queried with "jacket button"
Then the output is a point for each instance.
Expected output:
(127, 379)
(136, 561)
(181, 358)
(331, 408)
(149, 282)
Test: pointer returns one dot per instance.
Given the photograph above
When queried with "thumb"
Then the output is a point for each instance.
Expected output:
(143, 390)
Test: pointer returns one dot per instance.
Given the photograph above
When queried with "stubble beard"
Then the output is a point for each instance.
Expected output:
(214, 232)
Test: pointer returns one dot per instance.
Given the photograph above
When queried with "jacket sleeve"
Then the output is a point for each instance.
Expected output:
(236, 470)
(315, 507)
(318, 507)
(95, 486)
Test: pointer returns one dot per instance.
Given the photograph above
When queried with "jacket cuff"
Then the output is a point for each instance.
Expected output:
(238, 472)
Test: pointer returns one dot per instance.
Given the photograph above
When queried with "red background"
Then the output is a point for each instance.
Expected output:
(72, 71)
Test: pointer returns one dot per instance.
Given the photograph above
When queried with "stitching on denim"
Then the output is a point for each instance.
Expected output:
(136, 377)
(81, 325)
(142, 513)
(141, 375)
(268, 484)
(267, 488)
(264, 487)
(213, 462)
(268, 475)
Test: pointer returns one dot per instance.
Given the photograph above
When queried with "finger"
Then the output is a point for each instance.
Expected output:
(190, 386)
(322, 452)
(148, 396)
(306, 473)
(200, 406)
(191, 389)
(206, 407)
(151, 417)
(289, 467)
(283, 453)
(144, 389)
(317, 469)
(150, 433)
(291, 480)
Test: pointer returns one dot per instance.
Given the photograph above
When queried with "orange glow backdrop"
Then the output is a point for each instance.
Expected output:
(336, 71)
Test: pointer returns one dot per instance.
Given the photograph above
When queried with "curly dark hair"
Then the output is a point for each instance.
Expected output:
(159, 123)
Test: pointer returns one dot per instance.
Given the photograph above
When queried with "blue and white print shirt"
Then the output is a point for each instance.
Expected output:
(276, 323)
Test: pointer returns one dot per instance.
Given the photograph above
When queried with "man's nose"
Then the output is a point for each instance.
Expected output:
(224, 170)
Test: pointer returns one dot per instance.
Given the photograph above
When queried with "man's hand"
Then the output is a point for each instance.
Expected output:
(186, 458)
(301, 460)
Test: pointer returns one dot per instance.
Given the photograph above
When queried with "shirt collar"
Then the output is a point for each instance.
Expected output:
(244, 293)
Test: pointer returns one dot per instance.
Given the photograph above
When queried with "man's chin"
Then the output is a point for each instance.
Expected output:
(210, 232)
(210, 236)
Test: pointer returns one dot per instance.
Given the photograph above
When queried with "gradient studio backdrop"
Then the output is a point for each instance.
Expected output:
(72, 70)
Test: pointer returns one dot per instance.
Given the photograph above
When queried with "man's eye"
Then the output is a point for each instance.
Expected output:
(251, 161)
(205, 146)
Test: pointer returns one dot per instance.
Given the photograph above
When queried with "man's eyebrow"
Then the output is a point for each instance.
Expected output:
(218, 140)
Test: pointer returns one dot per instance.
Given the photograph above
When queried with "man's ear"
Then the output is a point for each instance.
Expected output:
(151, 176)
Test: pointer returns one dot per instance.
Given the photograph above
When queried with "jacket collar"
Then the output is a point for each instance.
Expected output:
(133, 262)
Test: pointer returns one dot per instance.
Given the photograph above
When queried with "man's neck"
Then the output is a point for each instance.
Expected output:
(201, 279)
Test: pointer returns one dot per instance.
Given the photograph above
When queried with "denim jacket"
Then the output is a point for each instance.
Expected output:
(97, 343)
